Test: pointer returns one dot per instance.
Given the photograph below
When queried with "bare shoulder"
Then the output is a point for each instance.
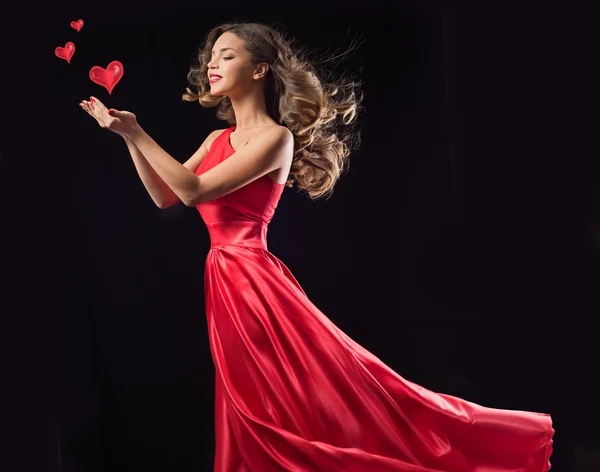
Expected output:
(284, 131)
(286, 144)
(287, 137)
(280, 133)
(266, 137)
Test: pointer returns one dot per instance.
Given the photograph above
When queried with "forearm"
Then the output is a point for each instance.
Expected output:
(158, 190)
(181, 181)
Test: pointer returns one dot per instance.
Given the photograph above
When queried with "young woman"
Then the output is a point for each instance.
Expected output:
(293, 392)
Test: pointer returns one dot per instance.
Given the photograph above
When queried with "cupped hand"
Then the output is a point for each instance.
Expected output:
(124, 123)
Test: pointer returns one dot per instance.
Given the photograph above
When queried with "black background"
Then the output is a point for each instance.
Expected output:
(462, 247)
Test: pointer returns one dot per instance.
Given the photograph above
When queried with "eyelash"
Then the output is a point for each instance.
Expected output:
(228, 58)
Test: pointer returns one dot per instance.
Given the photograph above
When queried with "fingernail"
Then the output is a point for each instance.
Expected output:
(110, 112)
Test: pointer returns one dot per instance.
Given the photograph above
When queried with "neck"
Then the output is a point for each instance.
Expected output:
(251, 111)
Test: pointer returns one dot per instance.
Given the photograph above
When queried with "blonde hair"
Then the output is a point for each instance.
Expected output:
(296, 97)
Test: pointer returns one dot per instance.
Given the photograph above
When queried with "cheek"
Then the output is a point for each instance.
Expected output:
(244, 74)
(233, 70)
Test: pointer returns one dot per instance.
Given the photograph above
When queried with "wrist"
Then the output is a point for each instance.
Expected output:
(135, 134)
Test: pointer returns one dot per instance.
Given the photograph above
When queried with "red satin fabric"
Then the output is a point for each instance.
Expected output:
(294, 393)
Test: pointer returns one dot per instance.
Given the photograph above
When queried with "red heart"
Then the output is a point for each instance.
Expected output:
(77, 25)
(65, 53)
(108, 77)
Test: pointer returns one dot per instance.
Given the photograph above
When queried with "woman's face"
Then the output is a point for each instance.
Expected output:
(231, 62)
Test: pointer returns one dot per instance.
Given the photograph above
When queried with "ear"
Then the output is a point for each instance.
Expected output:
(260, 71)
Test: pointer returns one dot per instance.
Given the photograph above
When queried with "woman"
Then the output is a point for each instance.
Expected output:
(293, 392)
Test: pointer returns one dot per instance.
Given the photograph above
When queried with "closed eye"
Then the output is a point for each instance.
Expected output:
(227, 58)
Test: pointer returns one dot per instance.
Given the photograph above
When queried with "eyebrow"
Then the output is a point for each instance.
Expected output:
(223, 49)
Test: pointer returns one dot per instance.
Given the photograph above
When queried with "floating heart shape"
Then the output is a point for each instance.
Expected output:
(77, 25)
(108, 77)
(65, 53)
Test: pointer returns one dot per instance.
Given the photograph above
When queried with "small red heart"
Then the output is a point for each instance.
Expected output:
(108, 77)
(77, 25)
(65, 53)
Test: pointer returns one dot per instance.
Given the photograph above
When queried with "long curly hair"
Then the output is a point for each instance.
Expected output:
(299, 95)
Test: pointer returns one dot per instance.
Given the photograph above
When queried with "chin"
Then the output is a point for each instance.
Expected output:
(217, 92)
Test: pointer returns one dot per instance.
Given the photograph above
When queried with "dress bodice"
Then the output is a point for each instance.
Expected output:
(240, 218)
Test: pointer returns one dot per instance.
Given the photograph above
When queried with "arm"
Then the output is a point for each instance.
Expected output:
(257, 158)
(159, 191)
(157, 188)
(167, 185)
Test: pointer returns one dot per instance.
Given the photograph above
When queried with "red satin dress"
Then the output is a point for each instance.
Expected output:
(294, 393)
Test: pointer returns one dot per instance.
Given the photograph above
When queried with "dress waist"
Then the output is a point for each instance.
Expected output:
(238, 233)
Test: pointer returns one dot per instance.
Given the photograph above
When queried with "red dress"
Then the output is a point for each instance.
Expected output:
(294, 393)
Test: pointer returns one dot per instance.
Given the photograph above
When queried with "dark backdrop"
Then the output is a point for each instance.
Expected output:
(461, 247)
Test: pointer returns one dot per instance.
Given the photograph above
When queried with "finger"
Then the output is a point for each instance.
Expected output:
(90, 108)
(96, 112)
(85, 106)
(97, 103)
